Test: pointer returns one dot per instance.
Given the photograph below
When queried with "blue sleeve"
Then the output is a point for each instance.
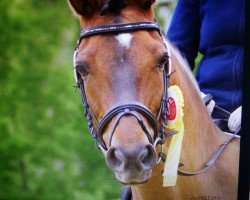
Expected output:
(184, 30)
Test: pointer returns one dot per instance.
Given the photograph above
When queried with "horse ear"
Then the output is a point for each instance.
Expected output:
(85, 7)
(77, 6)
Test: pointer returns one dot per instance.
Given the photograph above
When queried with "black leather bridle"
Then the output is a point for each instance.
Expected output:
(133, 108)
(127, 108)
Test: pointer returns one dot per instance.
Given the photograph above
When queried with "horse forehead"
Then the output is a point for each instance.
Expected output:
(124, 39)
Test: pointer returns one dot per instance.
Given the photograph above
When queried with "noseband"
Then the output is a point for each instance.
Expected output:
(128, 108)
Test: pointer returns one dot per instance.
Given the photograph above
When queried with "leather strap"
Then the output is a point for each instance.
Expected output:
(207, 99)
(115, 28)
(211, 161)
(140, 121)
(128, 107)
(217, 110)
(222, 112)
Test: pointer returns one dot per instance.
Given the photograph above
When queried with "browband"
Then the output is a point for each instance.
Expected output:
(122, 27)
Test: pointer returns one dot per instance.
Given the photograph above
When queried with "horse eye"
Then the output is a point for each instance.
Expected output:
(163, 62)
(82, 68)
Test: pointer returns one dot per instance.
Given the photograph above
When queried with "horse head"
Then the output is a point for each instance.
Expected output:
(121, 75)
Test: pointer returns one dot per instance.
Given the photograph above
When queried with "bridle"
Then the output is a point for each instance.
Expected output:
(130, 108)
(133, 108)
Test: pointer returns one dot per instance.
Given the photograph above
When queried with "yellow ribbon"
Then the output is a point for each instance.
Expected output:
(174, 150)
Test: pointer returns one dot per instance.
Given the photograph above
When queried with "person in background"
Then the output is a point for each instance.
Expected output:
(215, 29)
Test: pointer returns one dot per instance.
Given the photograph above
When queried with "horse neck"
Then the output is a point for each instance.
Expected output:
(201, 139)
(201, 135)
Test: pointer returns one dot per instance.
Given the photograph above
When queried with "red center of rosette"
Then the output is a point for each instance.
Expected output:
(171, 115)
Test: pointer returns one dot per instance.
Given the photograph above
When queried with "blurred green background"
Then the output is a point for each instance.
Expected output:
(46, 151)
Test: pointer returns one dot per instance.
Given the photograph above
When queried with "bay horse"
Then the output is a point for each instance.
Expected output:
(124, 67)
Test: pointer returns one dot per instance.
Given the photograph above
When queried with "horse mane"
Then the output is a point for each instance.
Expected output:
(87, 8)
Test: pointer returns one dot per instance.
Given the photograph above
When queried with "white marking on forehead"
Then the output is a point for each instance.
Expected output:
(124, 39)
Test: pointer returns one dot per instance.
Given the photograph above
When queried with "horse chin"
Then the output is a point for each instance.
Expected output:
(137, 180)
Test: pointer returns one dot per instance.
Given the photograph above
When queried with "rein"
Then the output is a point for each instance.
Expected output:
(131, 108)
(211, 161)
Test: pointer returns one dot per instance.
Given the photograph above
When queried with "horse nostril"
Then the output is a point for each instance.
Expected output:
(115, 159)
(147, 157)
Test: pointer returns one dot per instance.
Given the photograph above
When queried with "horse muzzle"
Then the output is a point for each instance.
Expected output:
(133, 166)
